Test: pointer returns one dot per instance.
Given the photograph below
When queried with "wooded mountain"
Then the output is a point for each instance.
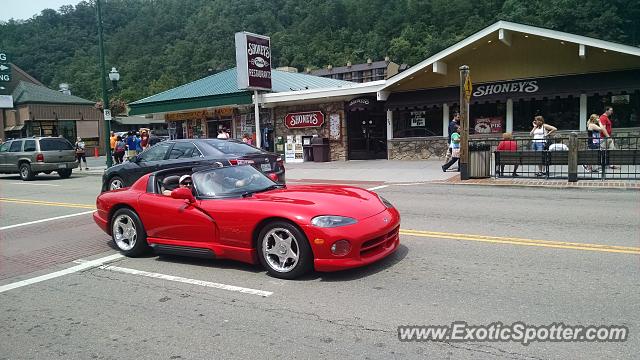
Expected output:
(159, 44)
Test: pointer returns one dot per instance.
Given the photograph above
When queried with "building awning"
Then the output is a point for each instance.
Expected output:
(14, 128)
(137, 120)
(523, 89)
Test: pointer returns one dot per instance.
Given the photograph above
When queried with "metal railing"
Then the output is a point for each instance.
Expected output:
(564, 157)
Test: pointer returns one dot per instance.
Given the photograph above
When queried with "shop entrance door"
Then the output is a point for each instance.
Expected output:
(367, 133)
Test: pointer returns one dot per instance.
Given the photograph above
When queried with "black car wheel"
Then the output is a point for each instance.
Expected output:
(64, 174)
(284, 250)
(115, 183)
(128, 233)
(26, 174)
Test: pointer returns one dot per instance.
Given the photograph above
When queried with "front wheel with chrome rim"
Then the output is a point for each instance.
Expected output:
(128, 233)
(116, 183)
(284, 250)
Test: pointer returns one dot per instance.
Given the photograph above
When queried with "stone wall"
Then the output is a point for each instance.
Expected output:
(417, 148)
(337, 148)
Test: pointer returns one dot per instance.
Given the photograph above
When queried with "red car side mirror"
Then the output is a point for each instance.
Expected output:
(183, 193)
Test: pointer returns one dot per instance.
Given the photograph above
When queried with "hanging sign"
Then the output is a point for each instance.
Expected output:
(304, 119)
(253, 61)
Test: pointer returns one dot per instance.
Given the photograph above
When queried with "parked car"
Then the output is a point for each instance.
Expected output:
(31, 156)
(192, 152)
(236, 212)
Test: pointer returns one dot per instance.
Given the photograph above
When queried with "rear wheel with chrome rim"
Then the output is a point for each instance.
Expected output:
(284, 250)
(128, 233)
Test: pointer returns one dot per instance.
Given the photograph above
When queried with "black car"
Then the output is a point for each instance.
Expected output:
(192, 152)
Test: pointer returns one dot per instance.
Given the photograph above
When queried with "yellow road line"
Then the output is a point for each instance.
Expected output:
(46, 203)
(524, 242)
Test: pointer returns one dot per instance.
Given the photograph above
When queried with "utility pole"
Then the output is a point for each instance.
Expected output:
(465, 94)
(105, 95)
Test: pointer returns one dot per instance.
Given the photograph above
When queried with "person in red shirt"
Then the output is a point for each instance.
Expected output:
(508, 144)
(605, 122)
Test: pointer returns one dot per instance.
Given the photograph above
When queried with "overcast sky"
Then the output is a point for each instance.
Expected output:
(24, 9)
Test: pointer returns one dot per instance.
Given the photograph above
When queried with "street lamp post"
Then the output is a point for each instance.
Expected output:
(105, 96)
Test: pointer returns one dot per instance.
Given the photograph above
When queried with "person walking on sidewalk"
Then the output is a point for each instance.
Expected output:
(455, 150)
(131, 145)
(119, 150)
(112, 144)
(455, 122)
(80, 153)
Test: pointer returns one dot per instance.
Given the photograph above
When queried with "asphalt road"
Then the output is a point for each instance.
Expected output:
(474, 254)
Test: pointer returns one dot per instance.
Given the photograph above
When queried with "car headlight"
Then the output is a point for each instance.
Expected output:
(385, 202)
(331, 221)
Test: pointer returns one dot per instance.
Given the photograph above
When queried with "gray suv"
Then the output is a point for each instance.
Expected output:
(31, 156)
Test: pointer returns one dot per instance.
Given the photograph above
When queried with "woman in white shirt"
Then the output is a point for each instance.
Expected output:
(540, 132)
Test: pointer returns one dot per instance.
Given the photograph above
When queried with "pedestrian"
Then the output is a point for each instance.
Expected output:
(605, 122)
(222, 134)
(144, 139)
(119, 150)
(81, 153)
(510, 145)
(138, 142)
(455, 150)
(131, 145)
(112, 144)
(540, 133)
(455, 122)
(596, 136)
(247, 139)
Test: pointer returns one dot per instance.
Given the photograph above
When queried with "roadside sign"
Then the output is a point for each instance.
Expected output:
(468, 88)
(5, 67)
(107, 115)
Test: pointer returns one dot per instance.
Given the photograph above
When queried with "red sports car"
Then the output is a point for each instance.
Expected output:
(236, 212)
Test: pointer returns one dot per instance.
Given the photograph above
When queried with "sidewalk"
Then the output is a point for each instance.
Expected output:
(388, 172)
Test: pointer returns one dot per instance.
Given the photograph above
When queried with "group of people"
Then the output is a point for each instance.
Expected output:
(599, 129)
(129, 144)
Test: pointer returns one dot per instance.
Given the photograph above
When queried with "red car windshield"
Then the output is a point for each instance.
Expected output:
(230, 181)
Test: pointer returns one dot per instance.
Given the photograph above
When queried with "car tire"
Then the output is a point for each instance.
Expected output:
(64, 174)
(128, 234)
(115, 183)
(279, 243)
(26, 174)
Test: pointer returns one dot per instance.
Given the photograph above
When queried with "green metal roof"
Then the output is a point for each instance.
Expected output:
(221, 89)
(31, 93)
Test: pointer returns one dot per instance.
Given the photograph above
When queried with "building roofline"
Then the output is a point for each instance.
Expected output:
(511, 26)
(356, 89)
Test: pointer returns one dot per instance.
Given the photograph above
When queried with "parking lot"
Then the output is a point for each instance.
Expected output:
(474, 254)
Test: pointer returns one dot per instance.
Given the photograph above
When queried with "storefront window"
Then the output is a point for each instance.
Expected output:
(564, 114)
(417, 123)
(487, 118)
(626, 108)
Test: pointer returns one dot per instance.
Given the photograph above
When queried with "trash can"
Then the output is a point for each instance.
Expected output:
(307, 148)
(320, 149)
(479, 160)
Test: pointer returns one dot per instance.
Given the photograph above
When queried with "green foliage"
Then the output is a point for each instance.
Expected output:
(159, 44)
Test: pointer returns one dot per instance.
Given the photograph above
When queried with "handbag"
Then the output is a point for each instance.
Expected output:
(455, 152)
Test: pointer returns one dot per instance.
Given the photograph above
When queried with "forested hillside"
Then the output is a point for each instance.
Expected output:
(158, 44)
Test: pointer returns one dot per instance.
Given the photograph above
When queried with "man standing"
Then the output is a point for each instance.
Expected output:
(112, 141)
(605, 121)
(453, 125)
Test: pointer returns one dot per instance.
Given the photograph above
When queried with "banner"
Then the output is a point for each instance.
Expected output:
(488, 125)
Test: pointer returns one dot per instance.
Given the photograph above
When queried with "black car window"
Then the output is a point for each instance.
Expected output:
(55, 144)
(5, 147)
(232, 147)
(155, 153)
(183, 150)
(16, 145)
(29, 145)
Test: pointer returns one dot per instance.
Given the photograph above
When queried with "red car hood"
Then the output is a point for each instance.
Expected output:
(348, 201)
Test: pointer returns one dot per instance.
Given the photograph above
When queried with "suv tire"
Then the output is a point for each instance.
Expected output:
(26, 174)
(64, 174)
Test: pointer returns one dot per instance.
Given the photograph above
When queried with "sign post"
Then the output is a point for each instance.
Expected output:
(253, 66)
(466, 88)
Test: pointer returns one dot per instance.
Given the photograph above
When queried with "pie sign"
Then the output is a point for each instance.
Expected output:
(304, 119)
